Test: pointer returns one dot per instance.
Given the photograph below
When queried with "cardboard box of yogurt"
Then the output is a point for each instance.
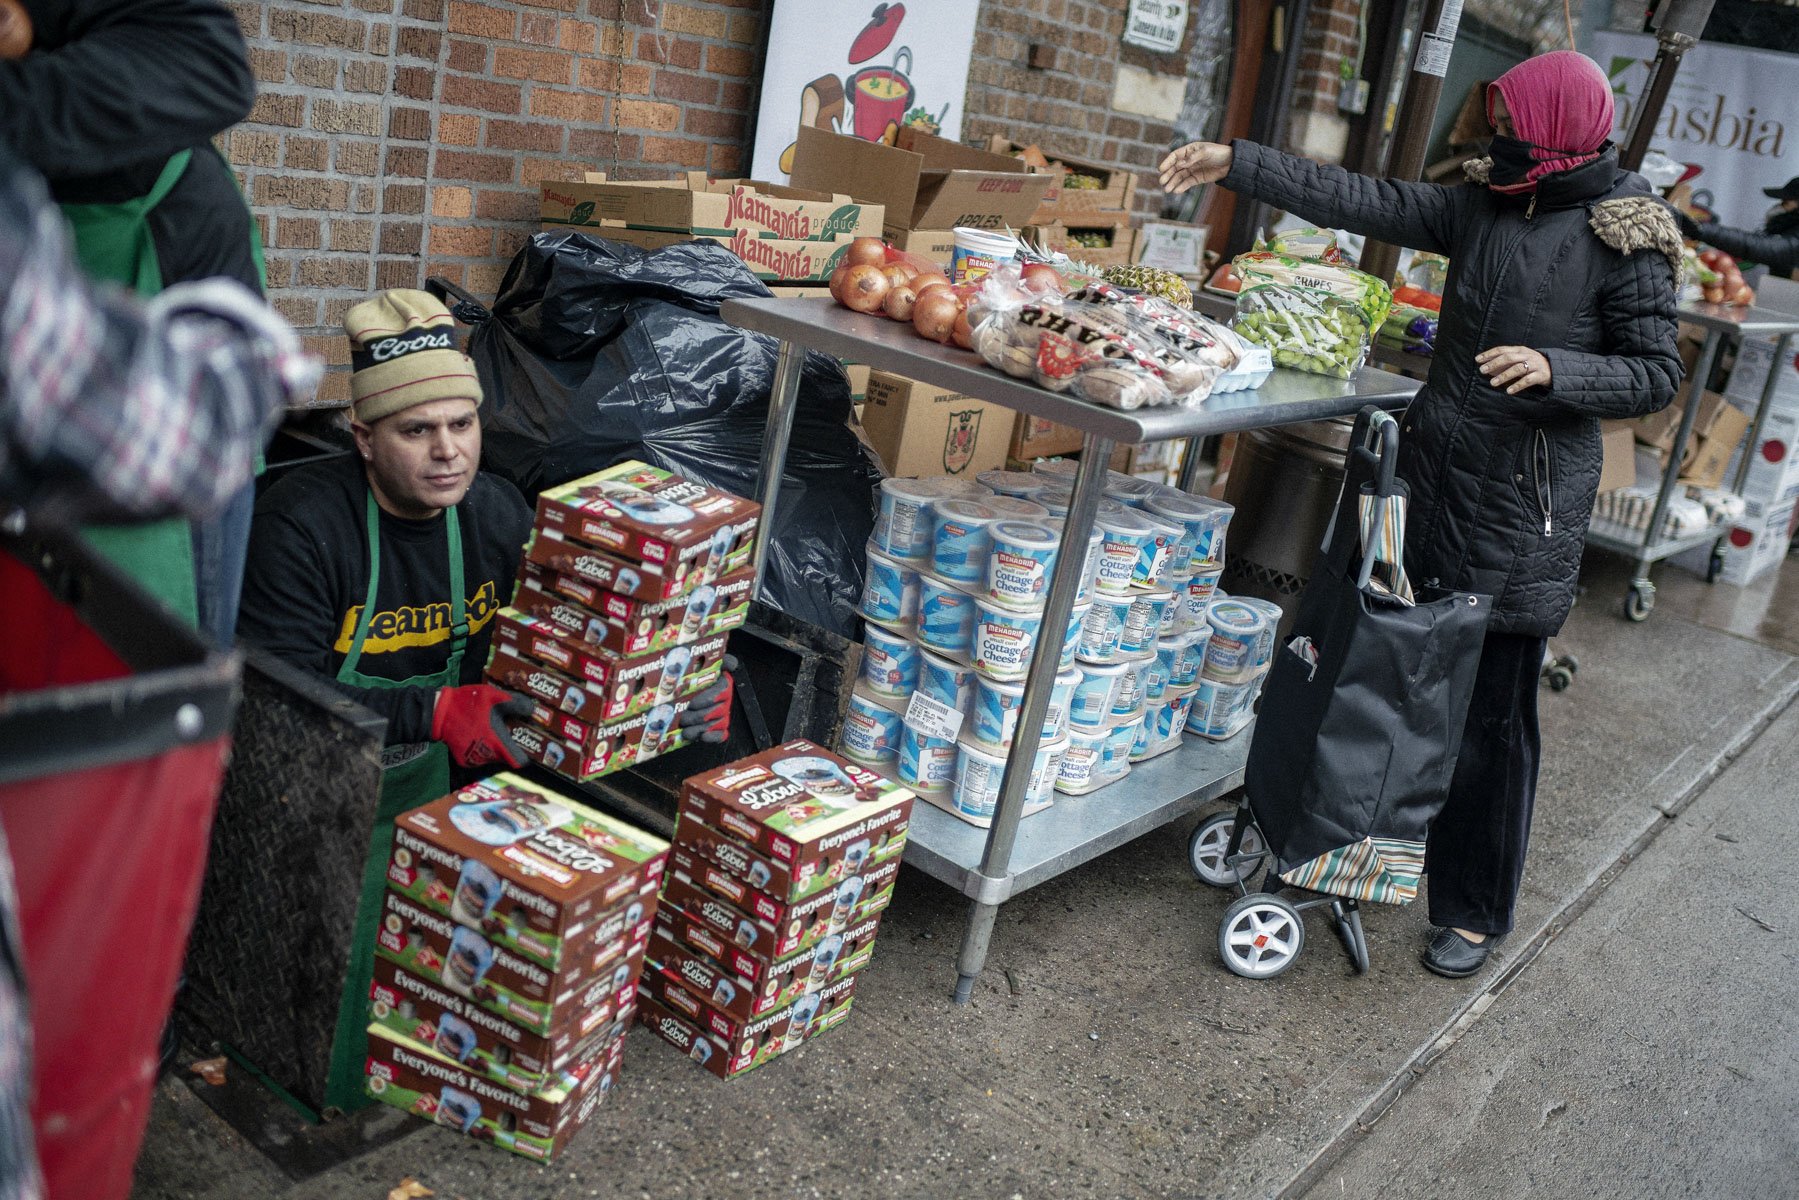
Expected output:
(804, 806)
(528, 868)
(549, 548)
(692, 951)
(885, 839)
(744, 1037)
(727, 1061)
(611, 686)
(654, 517)
(432, 1015)
(433, 947)
(625, 624)
(411, 1077)
(802, 926)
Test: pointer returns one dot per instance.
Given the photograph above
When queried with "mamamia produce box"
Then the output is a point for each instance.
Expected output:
(695, 204)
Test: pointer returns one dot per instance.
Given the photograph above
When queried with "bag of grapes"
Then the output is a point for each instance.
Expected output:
(1311, 316)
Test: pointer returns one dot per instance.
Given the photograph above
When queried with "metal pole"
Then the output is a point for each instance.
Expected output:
(782, 401)
(1682, 23)
(1783, 350)
(1702, 370)
(1002, 835)
(1191, 464)
(1417, 109)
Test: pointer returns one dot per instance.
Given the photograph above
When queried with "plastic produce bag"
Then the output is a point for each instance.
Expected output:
(1312, 316)
(597, 352)
(1103, 344)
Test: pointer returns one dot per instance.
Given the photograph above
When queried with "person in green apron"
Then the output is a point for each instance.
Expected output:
(115, 102)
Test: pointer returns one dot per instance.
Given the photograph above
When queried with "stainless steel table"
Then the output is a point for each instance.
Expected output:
(1652, 545)
(991, 865)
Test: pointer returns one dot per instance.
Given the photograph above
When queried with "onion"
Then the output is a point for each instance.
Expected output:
(934, 314)
(837, 278)
(869, 250)
(961, 332)
(865, 288)
(1041, 277)
(900, 299)
(898, 274)
(927, 281)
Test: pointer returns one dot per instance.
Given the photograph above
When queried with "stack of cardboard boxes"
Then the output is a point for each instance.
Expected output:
(631, 580)
(1758, 543)
(1086, 213)
(927, 186)
(782, 864)
(791, 238)
(507, 959)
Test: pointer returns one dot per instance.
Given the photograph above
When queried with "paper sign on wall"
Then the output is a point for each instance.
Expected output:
(861, 68)
(1159, 25)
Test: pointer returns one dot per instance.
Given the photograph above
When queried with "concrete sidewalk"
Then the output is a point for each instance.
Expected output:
(1106, 1050)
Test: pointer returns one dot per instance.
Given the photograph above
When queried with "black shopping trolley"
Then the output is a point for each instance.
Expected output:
(1357, 736)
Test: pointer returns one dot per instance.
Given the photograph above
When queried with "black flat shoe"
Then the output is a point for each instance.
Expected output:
(1455, 957)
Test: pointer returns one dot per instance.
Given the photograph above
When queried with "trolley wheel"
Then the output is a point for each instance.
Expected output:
(1348, 918)
(1211, 843)
(1639, 602)
(1260, 936)
(1559, 678)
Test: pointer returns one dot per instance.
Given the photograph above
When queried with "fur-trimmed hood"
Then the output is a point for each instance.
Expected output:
(1625, 223)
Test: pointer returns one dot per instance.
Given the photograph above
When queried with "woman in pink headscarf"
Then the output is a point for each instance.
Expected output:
(1558, 311)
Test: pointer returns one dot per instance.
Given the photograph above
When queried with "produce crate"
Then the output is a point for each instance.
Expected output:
(1121, 242)
(1118, 185)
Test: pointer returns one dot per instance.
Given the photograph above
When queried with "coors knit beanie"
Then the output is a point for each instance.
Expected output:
(403, 353)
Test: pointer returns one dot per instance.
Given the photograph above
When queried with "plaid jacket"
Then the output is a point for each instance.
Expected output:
(111, 408)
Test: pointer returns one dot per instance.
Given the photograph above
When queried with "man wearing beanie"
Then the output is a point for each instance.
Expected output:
(383, 570)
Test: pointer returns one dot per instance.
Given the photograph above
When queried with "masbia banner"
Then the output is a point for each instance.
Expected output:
(1733, 110)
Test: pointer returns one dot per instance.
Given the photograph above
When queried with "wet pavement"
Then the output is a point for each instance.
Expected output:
(1107, 1051)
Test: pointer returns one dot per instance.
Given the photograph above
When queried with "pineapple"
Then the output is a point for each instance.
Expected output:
(1156, 282)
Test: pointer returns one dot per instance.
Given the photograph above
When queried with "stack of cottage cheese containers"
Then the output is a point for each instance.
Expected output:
(1145, 636)
(958, 574)
(1236, 662)
(957, 579)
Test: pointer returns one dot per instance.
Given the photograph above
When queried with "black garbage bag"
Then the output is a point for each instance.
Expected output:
(596, 352)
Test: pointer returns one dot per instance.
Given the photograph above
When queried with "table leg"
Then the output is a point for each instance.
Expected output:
(782, 401)
(1190, 465)
(1002, 835)
(1782, 350)
(1702, 371)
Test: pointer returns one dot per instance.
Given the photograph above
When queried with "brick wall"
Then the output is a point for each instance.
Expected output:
(395, 139)
(1070, 103)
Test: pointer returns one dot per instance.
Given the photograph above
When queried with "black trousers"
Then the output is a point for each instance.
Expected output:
(1475, 854)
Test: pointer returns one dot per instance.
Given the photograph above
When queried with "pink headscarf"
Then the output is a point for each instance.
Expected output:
(1561, 102)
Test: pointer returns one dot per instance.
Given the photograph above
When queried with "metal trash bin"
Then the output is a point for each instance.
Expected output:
(1284, 482)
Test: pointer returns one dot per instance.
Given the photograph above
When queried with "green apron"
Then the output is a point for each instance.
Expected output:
(404, 786)
(113, 243)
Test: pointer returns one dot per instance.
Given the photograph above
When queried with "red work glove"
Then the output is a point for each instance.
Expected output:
(470, 721)
(711, 709)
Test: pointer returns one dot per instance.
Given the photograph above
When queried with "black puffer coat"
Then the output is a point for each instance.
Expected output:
(1502, 485)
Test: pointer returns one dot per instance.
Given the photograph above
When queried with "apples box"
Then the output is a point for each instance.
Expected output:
(415, 1079)
(647, 515)
(922, 181)
(528, 868)
(695, 204)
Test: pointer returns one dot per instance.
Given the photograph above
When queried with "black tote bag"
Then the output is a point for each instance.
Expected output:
(1361, 717)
